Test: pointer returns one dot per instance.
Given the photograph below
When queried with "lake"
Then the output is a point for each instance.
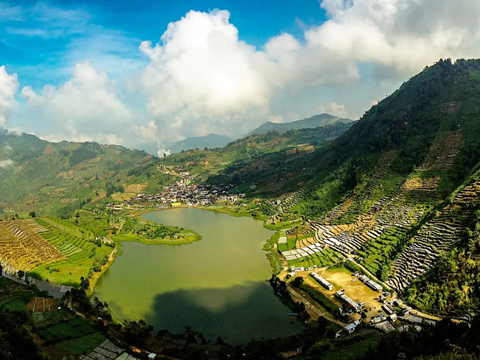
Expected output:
(217, 285)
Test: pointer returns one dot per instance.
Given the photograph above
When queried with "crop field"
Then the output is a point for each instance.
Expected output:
(327, 257)
(13, 296)
(22, 247)
(82, 345)
(47, 319)
(68, 330)
(79, 254)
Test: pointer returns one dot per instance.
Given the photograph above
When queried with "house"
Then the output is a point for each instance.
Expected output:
(176, 204)
(388, 309)
(348, 302)
(350, 328)
(152, 356)
(321, 281)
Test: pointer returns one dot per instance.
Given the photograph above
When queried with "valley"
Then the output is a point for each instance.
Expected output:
(369, 227)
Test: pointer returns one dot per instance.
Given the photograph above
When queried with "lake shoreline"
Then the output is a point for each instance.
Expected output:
(229, 259)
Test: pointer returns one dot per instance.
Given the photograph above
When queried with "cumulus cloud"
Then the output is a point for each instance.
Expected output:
(400, 35)
(8, 88)
(6, 163)
(201, 78)
(88, 99)
(201, 71)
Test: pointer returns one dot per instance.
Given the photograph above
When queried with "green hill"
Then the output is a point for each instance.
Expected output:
(309, 123)
(57, 178)
(258, 154)
(200, 142)
(399, 191)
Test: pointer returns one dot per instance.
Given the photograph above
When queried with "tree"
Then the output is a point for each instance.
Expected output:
(21, 274)
(32, 214)
(298, 281)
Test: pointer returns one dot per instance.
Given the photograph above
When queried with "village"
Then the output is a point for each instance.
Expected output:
(183, 192)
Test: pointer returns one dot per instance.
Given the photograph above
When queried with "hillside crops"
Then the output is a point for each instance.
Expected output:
(81, 257)
(22, 247)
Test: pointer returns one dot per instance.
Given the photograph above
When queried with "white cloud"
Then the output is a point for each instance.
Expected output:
(8, 88)
(88, 99)
(44, 20)
(146, 133)
(201, 78)
(400, 35)
(6, 163)
(202, 73)
(75, 136)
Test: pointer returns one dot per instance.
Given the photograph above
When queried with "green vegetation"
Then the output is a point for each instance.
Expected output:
(71, 329)
(321, 299)
(82, 345)
(139, 230)
(59, 178)
(84, 256)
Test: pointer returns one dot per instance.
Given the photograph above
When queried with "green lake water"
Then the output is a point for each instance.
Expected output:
(217, 285)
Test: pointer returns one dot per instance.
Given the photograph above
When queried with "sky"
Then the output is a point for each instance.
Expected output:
(145, 74)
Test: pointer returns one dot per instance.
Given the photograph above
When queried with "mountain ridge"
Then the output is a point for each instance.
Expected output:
(201, 142)
(307, 123)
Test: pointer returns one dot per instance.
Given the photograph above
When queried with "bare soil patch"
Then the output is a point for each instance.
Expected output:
(134, 188)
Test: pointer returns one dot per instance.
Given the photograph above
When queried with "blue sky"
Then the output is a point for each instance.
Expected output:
(28, 42)
(148, 73)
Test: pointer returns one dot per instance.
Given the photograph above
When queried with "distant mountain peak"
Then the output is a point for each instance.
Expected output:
(208, 141)
(308, 123)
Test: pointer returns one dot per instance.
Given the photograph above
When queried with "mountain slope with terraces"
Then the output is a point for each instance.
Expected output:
(398, 193)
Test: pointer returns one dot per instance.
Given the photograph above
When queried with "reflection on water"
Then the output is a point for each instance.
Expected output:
(217, 285)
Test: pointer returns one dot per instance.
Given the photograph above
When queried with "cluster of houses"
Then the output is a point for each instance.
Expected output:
(186, 192)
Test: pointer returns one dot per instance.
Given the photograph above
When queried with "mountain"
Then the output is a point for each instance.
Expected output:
(258, 155)
(200, 142)
(310, 123)
(58, 178)
(399, 191)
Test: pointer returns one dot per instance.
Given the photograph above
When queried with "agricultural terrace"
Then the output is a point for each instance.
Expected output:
(374, 226)
(13, 296)
(63, 332)
(81, 257)
(22, 246)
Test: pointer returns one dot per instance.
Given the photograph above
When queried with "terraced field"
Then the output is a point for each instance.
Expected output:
(79, 254)
(23, 248)
(376, 233)
(436, 237)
